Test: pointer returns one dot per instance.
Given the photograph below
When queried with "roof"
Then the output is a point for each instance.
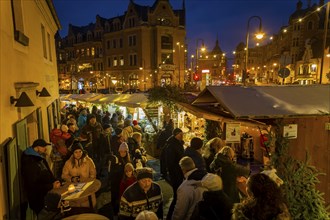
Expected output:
(259, 102)
(128, 100)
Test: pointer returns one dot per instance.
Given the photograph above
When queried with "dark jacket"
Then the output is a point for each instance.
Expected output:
(37, 178)
(174, 152)
(215, 205)
(163, 136)
(134, 200)
(229, 171)
(196, 157)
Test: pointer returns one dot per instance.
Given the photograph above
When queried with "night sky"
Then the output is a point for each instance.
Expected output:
(205, 19)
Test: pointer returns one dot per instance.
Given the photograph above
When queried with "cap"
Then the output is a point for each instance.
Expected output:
(123, 147)
(40, 143)
(176, 131)
(144, 172)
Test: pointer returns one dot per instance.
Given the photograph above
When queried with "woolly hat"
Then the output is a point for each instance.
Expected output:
(212, 182)
(176, 131)
(196, 143)
(76, 145)
(52, 201)
(40, 143)
(106, 126)
(135, 122)
(144, 172)
(118, 131)
(123, 147)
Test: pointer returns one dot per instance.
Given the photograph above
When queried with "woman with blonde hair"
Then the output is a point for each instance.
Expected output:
(210, 149)
(225, 166)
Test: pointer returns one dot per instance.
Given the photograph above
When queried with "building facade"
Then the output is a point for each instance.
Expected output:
(29, 90)
(143, 48)
(297, 54)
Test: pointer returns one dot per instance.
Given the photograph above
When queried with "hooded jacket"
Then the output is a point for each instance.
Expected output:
(37, 178)
(189, 194)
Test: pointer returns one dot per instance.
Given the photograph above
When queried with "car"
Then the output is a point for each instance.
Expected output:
(130, 91)
(119, 90)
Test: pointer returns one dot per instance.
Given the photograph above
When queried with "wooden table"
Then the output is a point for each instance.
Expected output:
(86, 216)
(87, 191)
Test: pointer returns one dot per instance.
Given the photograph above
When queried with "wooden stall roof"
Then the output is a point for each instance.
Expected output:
(260, 102)
(129, 100)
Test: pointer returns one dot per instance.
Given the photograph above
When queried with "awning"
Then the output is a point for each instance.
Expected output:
(129, 100)
(199, 113)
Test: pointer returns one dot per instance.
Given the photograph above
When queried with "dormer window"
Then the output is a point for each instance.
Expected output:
(131, 22)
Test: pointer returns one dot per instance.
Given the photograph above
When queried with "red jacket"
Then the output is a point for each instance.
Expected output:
(125, 183)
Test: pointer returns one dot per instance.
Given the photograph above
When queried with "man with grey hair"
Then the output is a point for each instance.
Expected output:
(190, 192)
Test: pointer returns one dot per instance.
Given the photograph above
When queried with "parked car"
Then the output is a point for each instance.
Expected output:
(130, 91)
(119, 90)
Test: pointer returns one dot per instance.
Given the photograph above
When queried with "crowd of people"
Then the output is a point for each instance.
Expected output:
(90, 145)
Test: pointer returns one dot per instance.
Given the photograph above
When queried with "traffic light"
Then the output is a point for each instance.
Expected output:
(196, 77)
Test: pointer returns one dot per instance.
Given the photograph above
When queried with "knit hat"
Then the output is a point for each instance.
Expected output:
(40, 143)
(196, 143)
(52, 201)
(135, 122)
(212, 182)
(144, 172)
(118, 131)
(76, 145)
(123, 147)
(176, 131)
(106, 126)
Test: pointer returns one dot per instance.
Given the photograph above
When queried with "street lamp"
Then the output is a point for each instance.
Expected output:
(197, 56)
(259, 36)
(179, 54)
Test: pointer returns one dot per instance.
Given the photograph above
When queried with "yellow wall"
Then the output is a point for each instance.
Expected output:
(19, 63)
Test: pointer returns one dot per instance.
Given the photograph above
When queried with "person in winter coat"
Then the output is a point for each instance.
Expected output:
(79, 168)
(223, 164)
(116, 140)
(82, 119)
(38, 179)
(194, 151)
(136, 127)
(142, 195)
(106, 118)
(79, 165)
(137, 152)
(128, 179)
(174, 152)
(127, 130)
(215, 203)
(188, 193)
(161, 141)
(265, 201)
(210, 149)
(117, 167)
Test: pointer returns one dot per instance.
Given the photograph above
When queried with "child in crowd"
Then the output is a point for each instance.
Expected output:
(128, 179)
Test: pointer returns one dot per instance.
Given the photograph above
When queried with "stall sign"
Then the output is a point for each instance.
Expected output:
(233, 132)
(290, 131)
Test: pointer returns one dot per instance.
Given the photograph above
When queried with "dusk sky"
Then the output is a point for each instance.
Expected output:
(205, 19)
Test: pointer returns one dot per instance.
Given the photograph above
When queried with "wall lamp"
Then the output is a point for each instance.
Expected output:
(22, 101)
(43, 93)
